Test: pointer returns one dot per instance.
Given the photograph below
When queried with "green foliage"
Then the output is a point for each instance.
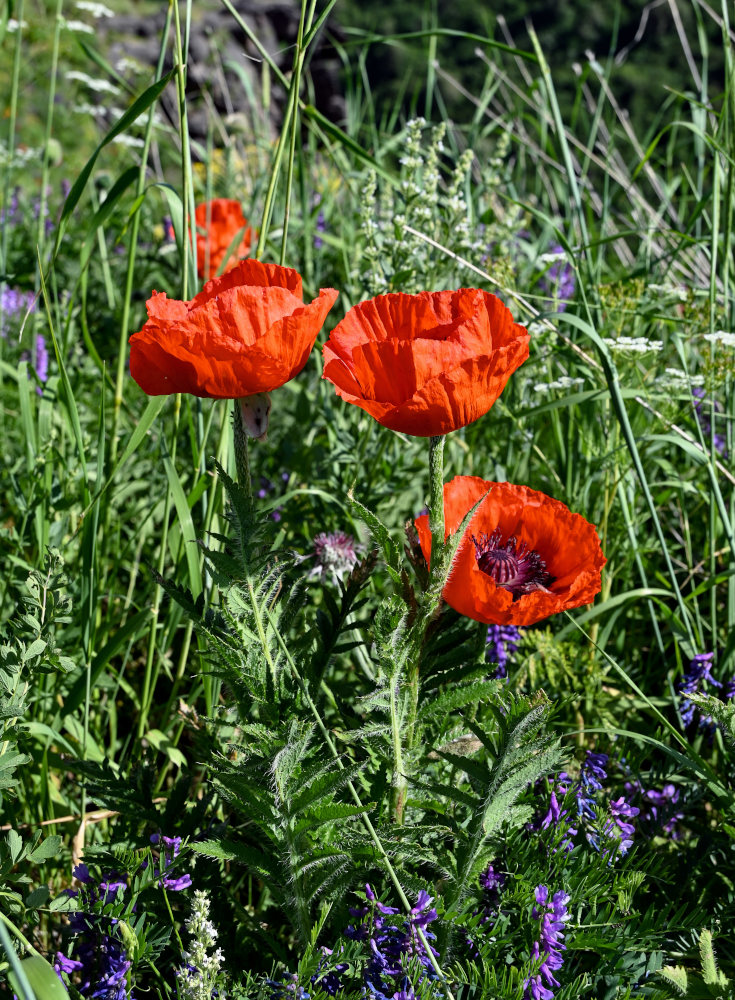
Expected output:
(712, 982)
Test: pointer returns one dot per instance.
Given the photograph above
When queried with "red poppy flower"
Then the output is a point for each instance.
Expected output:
(425, 364)
(523, 557)
(225, 221)
(248, 331)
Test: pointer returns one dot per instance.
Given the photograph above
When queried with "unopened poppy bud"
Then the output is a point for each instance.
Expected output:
(255, 411)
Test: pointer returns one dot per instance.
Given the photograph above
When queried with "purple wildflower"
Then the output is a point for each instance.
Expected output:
(549, 944)
(703, 418)
(41, 361)
(171, 848)
(321, 225)
(559, 281)
(100, 957)
(698, 673)
(592, 774)
(12, 213)
(336, 554)
(14, 305)
(391, 944)
(492, 884)
(502, 642)
(619, 828)
(556, 816)
(729, 691)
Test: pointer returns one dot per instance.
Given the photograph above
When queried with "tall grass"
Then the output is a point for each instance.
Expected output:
(133, 653)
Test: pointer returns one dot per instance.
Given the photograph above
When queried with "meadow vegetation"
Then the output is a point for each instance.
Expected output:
(261, 734)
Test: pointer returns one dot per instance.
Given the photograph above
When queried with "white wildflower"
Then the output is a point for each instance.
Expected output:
(97, 10)
(80, 26)
(675, 378)
(97, 86)
(198, 977)
(669, 292)
(634, 345)
(12, 25)
(721, 337)
(563, 382)
(129, 140)
(552, 257)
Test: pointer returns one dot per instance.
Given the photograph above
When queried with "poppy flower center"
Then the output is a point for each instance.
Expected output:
(515, 567)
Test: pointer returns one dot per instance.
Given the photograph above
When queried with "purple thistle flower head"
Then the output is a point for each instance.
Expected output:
(336, 555)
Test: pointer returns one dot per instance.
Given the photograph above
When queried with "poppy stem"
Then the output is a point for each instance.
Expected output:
(427, 608)
(242, 460)
(436, 498)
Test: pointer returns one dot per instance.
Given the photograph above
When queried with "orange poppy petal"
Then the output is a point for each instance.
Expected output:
(225, 222)
(247, 332)
(425, 364)
(566, 542)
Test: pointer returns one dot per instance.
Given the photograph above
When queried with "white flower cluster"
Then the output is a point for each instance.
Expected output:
(12, 25)
(669, 292)
(97, 10)
(80, 26)
(633, 345)
(129, 140)
(675, 378)
(199, 976)
(20, 156)
(563, 382)
(96, 86)
(721, 337)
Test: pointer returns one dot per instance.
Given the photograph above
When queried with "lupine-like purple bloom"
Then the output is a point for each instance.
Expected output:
(267, 487)
(391, 944)
(14, 304)
(11, 213)
(502, 642)
(100, 957)
(559, 280)
(550, 943)
(492, 883)
(41, 364)
(171, 848)
(658, 807)
(592, 774)
(702, 410)
(557, 816)
(321, 227)
(698, 673)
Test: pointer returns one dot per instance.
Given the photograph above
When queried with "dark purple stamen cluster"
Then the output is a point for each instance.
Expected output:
(100, 957)
(502, 642)
(703, 418)
(549, 944)
(511, 565)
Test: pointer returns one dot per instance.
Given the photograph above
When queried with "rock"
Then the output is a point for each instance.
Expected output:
(220, 54)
